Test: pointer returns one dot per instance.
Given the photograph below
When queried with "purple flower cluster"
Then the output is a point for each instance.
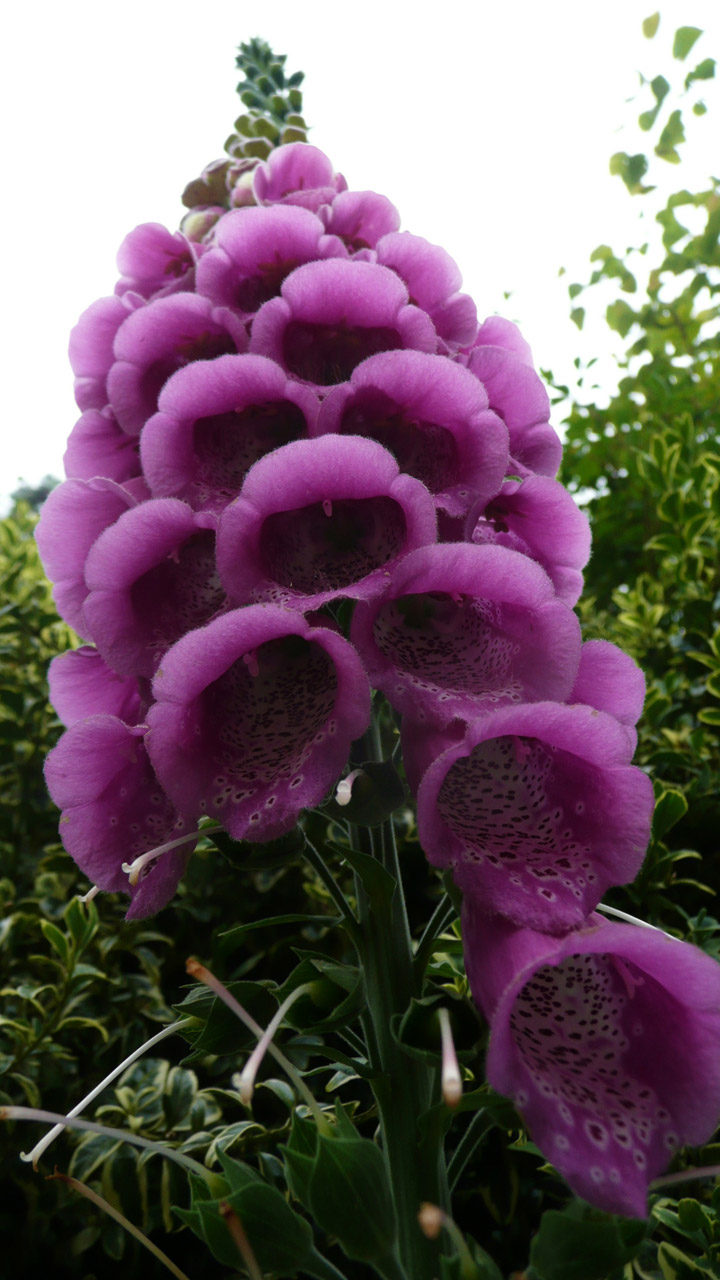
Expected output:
(299, 407)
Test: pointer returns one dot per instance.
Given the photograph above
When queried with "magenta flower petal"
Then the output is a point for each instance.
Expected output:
(160, 338)
(72, 518)
(91, 347)
(318, 519)
(610, 680)
(82, 685)
(433, 416)
(540, 518)
(216, 418)
(114, 810)
(152, 260)
(334, 314)
(537, 812)
(433, 280)
(254, 718)
(151, 578)
(360, 218)
(461, 628)
(518, 395)
(297, 173)
(498, 332)
(254, 250)
(608, 1040)
(98, 447)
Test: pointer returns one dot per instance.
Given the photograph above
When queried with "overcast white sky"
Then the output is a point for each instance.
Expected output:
(489, 126)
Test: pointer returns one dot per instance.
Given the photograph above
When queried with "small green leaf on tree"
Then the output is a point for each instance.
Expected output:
(685, 38)
(650, 25)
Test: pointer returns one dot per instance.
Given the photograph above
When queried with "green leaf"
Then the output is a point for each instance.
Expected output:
(676, 1265)
(669, 809)
(670, 138)
(631, 169)
(271, 922)
(223, 1032)
(569, 1248)
(350, 1197)
(650, 25)
(685, 38)
(178, 1095)
(712, 685)
(376, 881)
(91, 1154)
(691, 1215)
(299, 1157)
(57, 940)
(704, 70)
(334, 998)
(279, 1238)
(709, 715)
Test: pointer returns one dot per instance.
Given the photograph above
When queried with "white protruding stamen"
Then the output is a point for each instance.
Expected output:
(623, 915)
(199, 971)
(133, 869)
(246, 1082)
(91, 893)
(52, 1134)
(451, 1078)
(343, 794)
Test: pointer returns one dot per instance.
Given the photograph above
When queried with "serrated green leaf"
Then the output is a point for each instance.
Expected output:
(350, 1197)
(223, 1032)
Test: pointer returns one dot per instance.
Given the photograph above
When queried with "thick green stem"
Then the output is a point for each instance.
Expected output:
(404, 1087)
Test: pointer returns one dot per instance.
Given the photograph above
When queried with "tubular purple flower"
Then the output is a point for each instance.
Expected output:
(82, 685)
(433, 279)
(72, 518)
(538, 517)
(612, 681)
(498, 332)
(254, 718)
(297, 173)
(335, 313)
(461, 628)
(97, 446)
(516, 392)
(538, 812)
(318, 519)
(161, 337)
(216, 418)
(433, 416)
(150, 579)
(153, 261)
(114, 808)
(91, 347)
(360, 218)
(608, 1040)
(254, 250)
